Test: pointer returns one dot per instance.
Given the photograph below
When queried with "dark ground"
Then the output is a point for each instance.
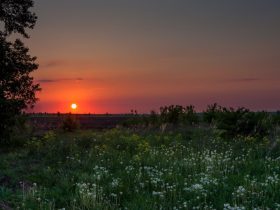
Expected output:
(86, 121)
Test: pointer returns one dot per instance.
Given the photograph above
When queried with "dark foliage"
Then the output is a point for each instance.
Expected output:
(190, 115)
(70, 123)
(171, 114)
(276, 118)
(153, 118)
(16, 16)
(211, 113)
(176, 114)
(238, 122)
(17, 88)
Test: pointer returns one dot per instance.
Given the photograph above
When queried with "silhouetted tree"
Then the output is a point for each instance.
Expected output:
(17, 88)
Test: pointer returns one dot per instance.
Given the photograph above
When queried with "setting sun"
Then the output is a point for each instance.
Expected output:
(74, 106)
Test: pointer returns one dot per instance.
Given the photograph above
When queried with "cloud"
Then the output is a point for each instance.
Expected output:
(51, 64)
(59, 80)
(46, 80)
(246, 79)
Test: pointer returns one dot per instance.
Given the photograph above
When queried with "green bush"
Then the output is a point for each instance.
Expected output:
(238, 122)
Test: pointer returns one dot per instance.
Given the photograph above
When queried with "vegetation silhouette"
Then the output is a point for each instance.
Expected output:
(17, 88)
(227, 122)
(70, 123)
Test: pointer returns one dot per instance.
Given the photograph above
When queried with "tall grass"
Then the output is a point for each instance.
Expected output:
(118, 169)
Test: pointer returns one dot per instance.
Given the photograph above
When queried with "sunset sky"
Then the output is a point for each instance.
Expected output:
(114, 56)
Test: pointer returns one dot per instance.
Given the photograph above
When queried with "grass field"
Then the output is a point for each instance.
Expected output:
(122, 169)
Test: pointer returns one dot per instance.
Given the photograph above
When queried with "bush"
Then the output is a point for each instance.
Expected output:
(70, 123)
(171, 114)
(190, 116)
(21, 131)
(176, 114)
(238, 122)
(211, 114)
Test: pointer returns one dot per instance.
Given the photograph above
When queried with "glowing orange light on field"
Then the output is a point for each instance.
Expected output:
(74, 106)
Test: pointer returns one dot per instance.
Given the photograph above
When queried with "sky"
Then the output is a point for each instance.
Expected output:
(114, 56)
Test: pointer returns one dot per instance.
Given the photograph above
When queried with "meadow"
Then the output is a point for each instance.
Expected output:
(180, 167)
(111, 56)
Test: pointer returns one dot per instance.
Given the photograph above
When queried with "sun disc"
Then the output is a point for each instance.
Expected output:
(74, 106)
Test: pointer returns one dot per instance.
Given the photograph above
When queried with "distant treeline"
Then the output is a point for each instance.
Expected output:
(221, 122)
(230, 122)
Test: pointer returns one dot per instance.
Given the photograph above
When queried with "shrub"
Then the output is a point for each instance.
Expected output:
(171, 114)
(21, 131)
(190, 116)
(70, 123)
(241, 121)
(211, 114)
